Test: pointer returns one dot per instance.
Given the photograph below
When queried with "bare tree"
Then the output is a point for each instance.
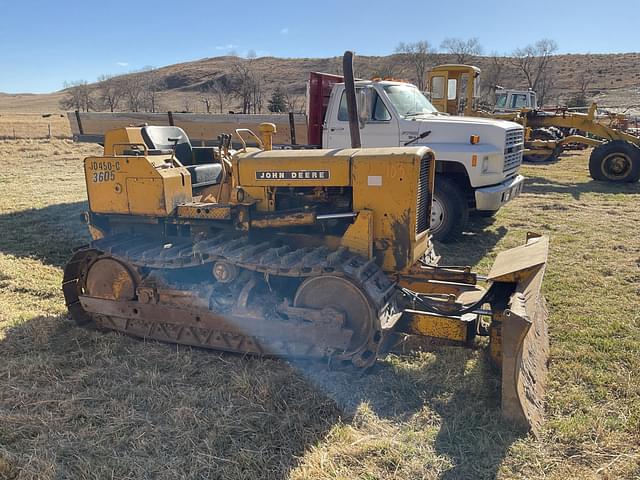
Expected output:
(78, 96)
(221, 92)
(152, 84)
(295, 103)
(248, 86)
(206, 100)
(111, 91)
(215, 93)
(134, 92)
(186, 105)
(388, 67)
(463, 50)
(420, 54)
(534, 62)
(580, 98)
(493, 76)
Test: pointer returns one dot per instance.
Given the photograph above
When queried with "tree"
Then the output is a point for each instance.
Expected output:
(534, 62)
(492, 77)
(420, 54)
(295, 103)
(248, 85)
(277, 102)
(111, 91)
(152, 84)
(215, 93)
(463, 50)
(78, 96)
(387, 68)
(580, 98)
(134, 92)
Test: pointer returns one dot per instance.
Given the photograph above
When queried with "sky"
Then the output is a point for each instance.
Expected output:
(45, 43)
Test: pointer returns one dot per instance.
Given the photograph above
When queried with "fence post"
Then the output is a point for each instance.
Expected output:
(49, 125)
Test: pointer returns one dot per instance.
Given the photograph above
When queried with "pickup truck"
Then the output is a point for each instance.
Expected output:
(478, 159)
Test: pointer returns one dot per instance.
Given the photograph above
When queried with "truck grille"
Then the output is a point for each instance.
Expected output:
(513, 147)
(423, 210)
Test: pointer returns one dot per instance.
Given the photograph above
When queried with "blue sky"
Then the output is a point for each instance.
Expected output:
(43, 43)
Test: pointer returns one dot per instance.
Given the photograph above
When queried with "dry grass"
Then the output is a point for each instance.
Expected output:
(33, 126)
(77, 403)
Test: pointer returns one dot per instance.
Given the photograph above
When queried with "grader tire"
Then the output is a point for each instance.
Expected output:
(547, 134)
(616, 161)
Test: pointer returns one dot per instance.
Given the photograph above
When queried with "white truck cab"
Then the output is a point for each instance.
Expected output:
(477, 159)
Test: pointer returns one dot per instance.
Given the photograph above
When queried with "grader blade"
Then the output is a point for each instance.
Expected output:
(524, 333)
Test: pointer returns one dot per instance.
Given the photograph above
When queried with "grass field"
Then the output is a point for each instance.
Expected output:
(77, 403)
(33, 126)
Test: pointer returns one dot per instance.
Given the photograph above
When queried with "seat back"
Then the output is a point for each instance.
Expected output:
(157, 137)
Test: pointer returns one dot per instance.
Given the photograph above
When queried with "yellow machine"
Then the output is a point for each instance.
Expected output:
(615, 158)
(317, 253)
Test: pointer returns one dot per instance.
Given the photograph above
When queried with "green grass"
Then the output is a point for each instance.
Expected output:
(77, 403)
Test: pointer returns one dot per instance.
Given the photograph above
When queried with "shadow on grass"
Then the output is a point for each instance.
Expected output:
(48, 234)
(543, 185)
(95, 404)
(473, 245)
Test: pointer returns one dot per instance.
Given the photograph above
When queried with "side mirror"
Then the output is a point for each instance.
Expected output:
(363, 100)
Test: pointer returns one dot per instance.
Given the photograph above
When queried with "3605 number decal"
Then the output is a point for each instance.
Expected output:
(104, 176)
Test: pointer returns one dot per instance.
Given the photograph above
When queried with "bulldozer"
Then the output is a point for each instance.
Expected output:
(615, 157)
(316, 254)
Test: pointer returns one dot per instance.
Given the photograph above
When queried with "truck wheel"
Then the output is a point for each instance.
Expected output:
(449, 211)
(615, 161)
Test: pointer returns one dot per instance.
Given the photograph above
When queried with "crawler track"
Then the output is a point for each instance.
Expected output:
(267, 310)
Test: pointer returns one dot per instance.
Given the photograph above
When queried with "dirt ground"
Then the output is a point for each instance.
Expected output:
(77, 403)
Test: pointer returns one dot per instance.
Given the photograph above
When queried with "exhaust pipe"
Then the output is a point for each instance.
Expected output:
(350, 92)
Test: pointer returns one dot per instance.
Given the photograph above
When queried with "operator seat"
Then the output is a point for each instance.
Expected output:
(197, 160)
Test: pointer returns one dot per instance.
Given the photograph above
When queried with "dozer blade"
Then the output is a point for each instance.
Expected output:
(525, 335)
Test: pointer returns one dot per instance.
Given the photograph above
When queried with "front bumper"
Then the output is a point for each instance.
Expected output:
(492, 198)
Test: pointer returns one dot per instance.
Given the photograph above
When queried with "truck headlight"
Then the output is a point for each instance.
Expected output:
(485, 164)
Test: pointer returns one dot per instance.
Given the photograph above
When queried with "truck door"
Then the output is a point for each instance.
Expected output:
(380, 130)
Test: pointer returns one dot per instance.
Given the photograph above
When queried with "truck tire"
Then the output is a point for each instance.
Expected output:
(449, 210)
(615, 161)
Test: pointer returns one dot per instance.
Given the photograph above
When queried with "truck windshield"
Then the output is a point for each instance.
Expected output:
(408, 100)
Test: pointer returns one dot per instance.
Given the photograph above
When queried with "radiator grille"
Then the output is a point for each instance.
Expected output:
(513, 147)
(423, 210)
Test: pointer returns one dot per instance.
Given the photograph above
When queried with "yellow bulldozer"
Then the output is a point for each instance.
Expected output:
(322, 254)
(454, 89)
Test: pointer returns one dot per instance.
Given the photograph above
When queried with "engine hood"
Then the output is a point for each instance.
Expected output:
(451, 129)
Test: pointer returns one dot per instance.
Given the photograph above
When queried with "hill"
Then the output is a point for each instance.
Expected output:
(611, 79)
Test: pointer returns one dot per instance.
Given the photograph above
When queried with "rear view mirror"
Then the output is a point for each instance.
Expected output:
(363, 100)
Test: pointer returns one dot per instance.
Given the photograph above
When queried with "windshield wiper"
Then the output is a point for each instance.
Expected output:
(419, 137)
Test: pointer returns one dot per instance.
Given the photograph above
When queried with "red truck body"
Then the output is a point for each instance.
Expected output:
(320, 85)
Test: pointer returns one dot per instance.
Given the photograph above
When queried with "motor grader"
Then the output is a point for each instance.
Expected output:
(616, 154)
(321, 254)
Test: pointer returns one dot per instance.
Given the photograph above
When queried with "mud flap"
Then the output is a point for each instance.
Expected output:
(525, 335)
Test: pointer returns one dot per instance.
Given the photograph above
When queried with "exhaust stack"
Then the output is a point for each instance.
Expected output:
(350, 92)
